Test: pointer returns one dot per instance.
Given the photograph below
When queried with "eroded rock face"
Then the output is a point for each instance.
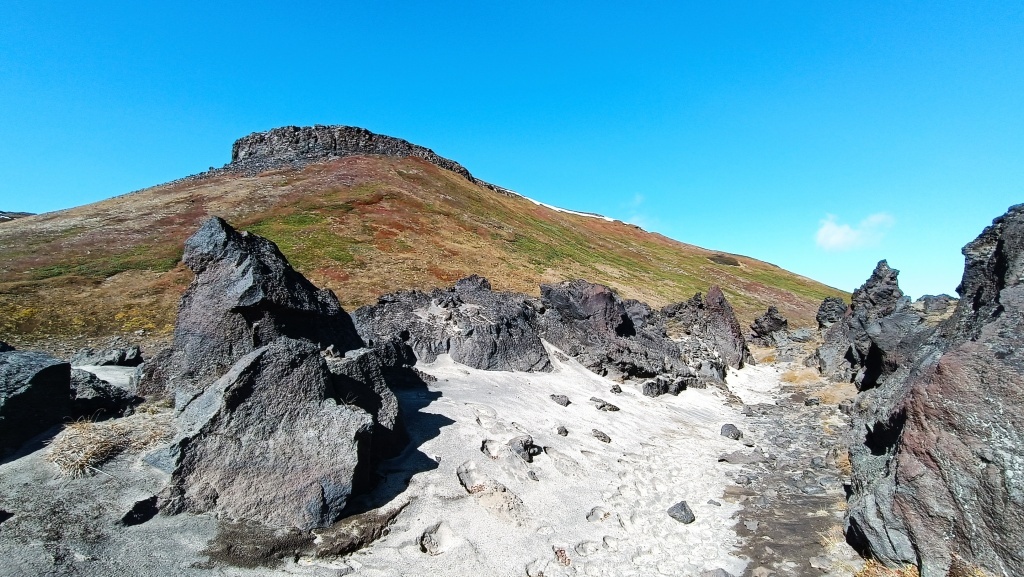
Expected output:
(120, 357)
(35, 394)
(268, 442)
(938, 469)
(767, 324)
(865, 345)
(606, 334)
(830, 311)
(365, 378)
(94, 398)
(244, 296)
(712, 319)
(478, 327)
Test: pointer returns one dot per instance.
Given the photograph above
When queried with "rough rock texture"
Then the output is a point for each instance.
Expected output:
(713, 320)
(478, 327)
(267, 442)
(765, 325)
(35, 394)
(865, 345)
(121, 357)
(300, 145)
(831, 310)
(606, 334)
(291, 143)
(244, 295)
(94, 398)
(365, 377)
(938, 466)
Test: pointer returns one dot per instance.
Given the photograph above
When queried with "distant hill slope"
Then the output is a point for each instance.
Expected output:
(360, 213)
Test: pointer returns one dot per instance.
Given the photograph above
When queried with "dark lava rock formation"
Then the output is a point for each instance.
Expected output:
(831, 311)
(267, 442)
(244, 295)
(478, 327)
(34, 396)
(938, 462)
(866, 343)
(494, 330)
(766, 325)
(713, 320)
(300, 145)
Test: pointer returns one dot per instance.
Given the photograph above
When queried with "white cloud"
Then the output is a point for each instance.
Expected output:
(834, 236)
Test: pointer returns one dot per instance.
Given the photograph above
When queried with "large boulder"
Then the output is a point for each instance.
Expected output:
(268, 442)
(478, 327)
(606, 334)
(865, 345)
(35, 394)
(94, 398)
(244, 296)
(766, 325)
(830, 311)
(120, 357)
(366, 378)
(713, 320)
(937, 462)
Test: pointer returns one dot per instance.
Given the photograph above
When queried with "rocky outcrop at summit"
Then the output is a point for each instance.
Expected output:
(35, 394)
(267, 442)
(937, 474)
(244, 295)
(711, 319)
(766, 325)
(9, 216)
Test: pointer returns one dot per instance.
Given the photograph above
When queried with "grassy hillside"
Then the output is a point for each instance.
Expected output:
(360, 225)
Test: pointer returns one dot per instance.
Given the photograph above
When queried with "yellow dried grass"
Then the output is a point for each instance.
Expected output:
(875, 569)
(83, 446)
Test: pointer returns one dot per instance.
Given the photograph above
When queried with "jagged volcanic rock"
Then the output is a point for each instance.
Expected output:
(938, 466)
(865, 345)
(35, 394)
(713, 320)
(591, 323)
(831, 310)
(365, 378)
(267, 442)
(244, 295)
(94, 398)
(478, 327)
(770, 322)
(120, 357)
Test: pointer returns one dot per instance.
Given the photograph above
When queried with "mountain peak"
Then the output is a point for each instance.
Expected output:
(303, 144)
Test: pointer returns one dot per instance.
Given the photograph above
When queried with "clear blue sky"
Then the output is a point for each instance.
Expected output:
(820, 136)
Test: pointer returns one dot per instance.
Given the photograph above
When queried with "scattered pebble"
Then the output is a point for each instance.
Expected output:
(561, 400)
(681, 512)
(601, 436)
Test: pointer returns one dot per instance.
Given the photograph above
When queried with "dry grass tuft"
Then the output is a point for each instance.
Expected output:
(85, 445)
(803, 376)
(843, 463)
(961, 568)
(832, 539)
(875, 569)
